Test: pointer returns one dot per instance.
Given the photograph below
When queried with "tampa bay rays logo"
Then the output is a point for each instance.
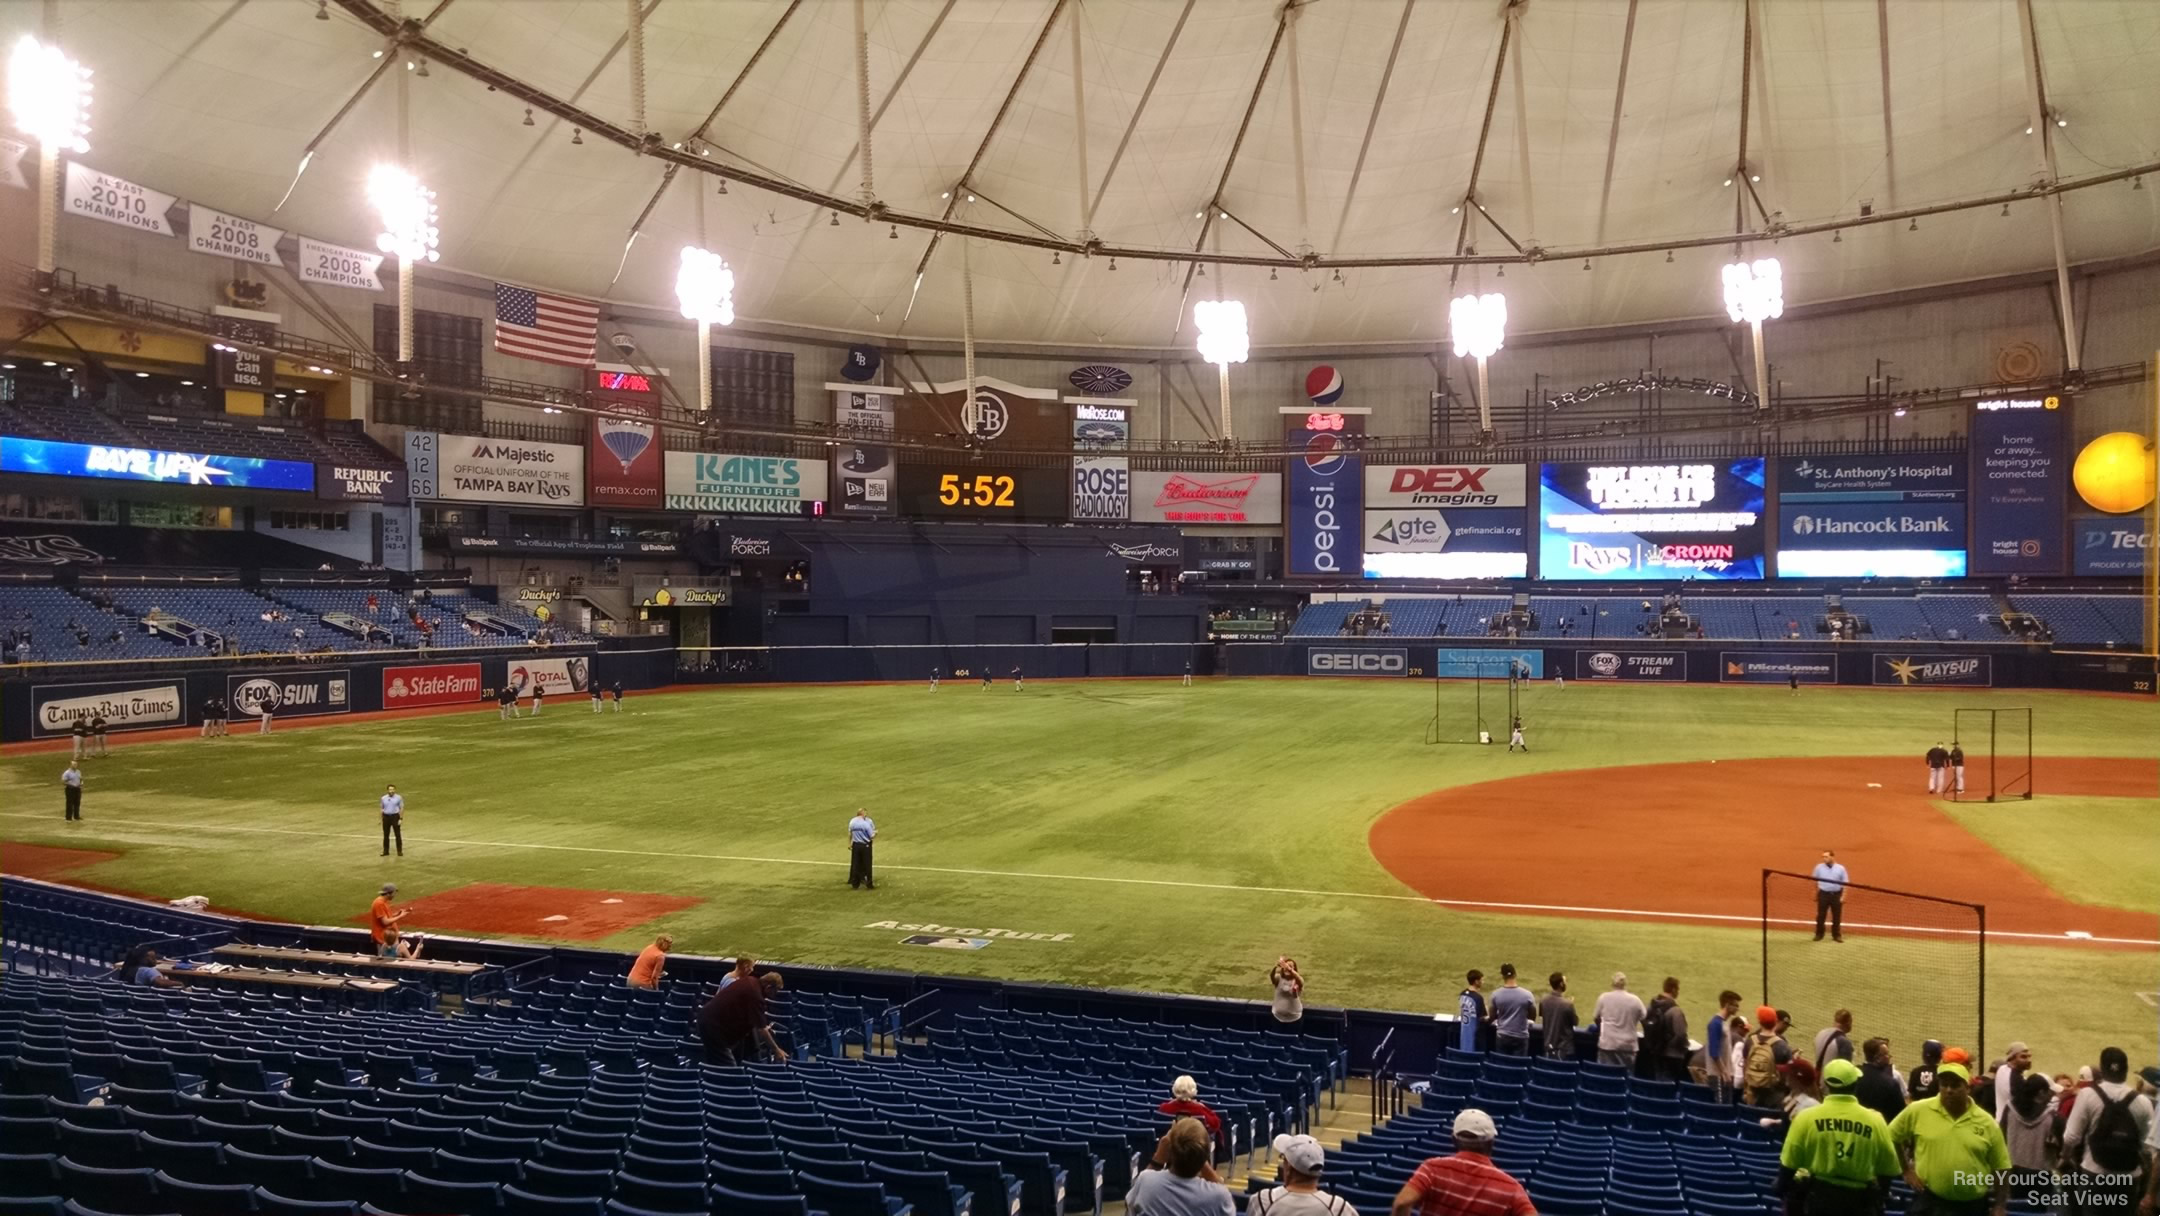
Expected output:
(985, 415)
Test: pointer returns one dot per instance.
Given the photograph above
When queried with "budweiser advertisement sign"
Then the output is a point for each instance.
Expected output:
(1206, 498)
(434, 684)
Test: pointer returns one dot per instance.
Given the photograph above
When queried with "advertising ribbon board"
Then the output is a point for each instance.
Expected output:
(2020, 480)
(1882, 515)
(1699, 520)
(723, 483)
(1654, 666)
(287, 694)
(125, 705)
(1464, 662)
(1775, 667)
(53, 458)
(430, 684)
(1934, 671)
(1206, 498)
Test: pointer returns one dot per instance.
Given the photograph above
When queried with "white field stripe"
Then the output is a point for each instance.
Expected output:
(1135, 882)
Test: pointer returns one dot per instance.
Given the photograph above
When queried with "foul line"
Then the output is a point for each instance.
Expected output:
(1119, 881)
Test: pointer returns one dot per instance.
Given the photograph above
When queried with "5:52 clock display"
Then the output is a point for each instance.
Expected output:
(973, 491)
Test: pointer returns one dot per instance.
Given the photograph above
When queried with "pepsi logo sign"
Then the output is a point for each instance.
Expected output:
(1324, 385)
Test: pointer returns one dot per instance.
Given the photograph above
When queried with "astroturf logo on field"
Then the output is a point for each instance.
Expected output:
(950, 931)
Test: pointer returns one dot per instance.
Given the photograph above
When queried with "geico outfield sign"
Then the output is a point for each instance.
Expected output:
(1326, 661)
(722, 483)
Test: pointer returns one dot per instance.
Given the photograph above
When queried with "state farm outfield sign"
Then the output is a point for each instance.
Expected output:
(432, 684)
(1332, 661)
(125, 705)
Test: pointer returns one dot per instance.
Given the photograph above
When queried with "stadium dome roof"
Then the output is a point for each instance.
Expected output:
(1352, 129)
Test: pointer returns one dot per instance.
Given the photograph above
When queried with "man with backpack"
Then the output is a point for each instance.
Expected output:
(2103, 1143)
(1764, 1052)
(1664, 1054)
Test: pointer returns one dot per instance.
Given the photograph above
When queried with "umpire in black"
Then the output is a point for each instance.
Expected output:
(861, 834)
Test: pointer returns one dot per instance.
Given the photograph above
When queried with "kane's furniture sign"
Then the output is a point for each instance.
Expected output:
(52, 458)
(132, 705)
(1206, 498)
(1775, 667)
(288, 694)
(718, 483)
(479, 469)
(1701, 520)
(2020, 478)
(430, 684)
(1872, 516)
(1925, 671)
(1655, 666)
(1331, 661)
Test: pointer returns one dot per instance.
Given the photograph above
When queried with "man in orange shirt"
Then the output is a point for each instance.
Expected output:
(380, 917)
(651, 963)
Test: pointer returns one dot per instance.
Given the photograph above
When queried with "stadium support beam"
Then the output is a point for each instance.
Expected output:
(1214, 211)
(2042, 126)
(1372, 122)
(1619, 108)
(1477, 158)
(1132, 124)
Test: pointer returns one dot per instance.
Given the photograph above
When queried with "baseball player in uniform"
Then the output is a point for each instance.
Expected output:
(1938, 762)
(1515, 740)
(596, 695)
(97, 734)
(539, 695)
(1019, 680)
(267, 707)
(81, 731)
(506, 702)
(617, 693)
(933, 679)
(1188, 673)
(1957, 766)
(986, 675)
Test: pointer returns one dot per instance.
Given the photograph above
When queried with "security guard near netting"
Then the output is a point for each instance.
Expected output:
(1838, 1158)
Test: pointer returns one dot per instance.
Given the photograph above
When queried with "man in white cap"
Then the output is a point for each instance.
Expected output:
(1300, 1193)
(1468, 1183)
(1618, 1016)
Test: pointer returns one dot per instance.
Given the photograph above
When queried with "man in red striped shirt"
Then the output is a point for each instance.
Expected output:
(1468, 1183)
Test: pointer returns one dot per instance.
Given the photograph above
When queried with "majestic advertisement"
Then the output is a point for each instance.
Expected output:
(862, 465)
(1101, 489)
(1925, 671)
(2020, 477)
(1776, 667)
(1873, 516)
(555, 676)
(290, 694)
(352, 483)
(623, 464)
(52, 458)
(2110, 544)
(723, 483)
(478, 469)
(1477, 542)
(1669, 667)
(1325, 494)
(1626, 523)
(1206, 498)
(1345, 661)
(125, 705)
(1445, 485)
(430, 684)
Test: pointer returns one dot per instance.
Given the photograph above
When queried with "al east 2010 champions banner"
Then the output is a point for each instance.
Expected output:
(1323, 492)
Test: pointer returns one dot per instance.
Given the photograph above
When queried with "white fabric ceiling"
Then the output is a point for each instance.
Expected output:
(215, 99)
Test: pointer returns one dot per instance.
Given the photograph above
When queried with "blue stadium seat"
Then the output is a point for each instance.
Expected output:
(273, 1204)
(133, 1190)
(837, 1198)
(652, 1194)
(518, 1202)
(110, 1147)
(545, 1179)
(32, 1205)
(430, 1194)
(738, 1203)
(203, 1198)
(28, 1173)
(281, 1172)
(337, 1180)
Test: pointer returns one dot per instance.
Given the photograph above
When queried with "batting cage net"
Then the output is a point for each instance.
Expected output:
(1475, 701)
(1998, 747)
(1910, 967)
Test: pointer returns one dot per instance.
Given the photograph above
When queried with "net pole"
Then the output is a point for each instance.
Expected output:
(1766, 936)
(1993, 756)
(1982, 908)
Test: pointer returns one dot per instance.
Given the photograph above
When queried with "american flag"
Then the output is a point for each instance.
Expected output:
(550, 328)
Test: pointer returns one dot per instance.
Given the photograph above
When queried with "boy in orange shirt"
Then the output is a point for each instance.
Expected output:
(651, 963)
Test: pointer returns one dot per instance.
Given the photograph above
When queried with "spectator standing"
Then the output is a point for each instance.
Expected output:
(1289, 1002)
(2102, 1142)
(1619, 1017)
(1763, 1054)
(1665, 1047)
(1556, 1014)
(1186, 1184)
(1802, 1091)
(651, 964)
(2030, 1125)
(733, 1022)
(1299, 1194)
(861, 834)
(71, 790)
(1878, 1088)
(1717, 1047)
(745, 966)
(1921, 1084)
(1511, 1006)
(1185, 1103)
(1470, 1011)
(1830, 880)
(1468, 1183)
(1834, 1042)
(393, 820)
(1837, 1156)
(1953, 1153)
(2016, 1062)
(1736, 1035)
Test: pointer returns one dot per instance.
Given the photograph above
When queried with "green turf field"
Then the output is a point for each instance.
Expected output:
(1182, 837)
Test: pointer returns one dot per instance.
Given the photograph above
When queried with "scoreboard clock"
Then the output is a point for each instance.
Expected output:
(966, 490)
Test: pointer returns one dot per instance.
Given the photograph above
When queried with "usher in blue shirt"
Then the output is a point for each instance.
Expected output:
(1829, 876)
(860, 830)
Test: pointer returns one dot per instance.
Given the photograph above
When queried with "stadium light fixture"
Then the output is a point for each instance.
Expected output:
(1754, 293)
(705, 288)
(48, 96)
(1479, 326)
(407, 211)
(1223, 341)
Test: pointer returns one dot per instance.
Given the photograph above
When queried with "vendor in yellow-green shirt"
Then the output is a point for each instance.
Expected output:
(1838, 1156)
(1954, 1154)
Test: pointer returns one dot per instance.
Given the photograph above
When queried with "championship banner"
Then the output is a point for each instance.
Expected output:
(719, 483)
(229, 236)
(1775, 667)
(289, 694)
(1908, 671)
(1349, 661)
(116, 200)
(478, 469)
(125, 705)
(1206, 498)
(1871, 516)
(1450, 485)
(1324, 493)
(1478, 542)
(555, 676)
(1669, 667)
(2020, 478)
(1101, 489)
(623, 467)
(349, 483)
(337, 266)
(431, 684)
(11, 158)
(2110, 544)
(864, 465)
